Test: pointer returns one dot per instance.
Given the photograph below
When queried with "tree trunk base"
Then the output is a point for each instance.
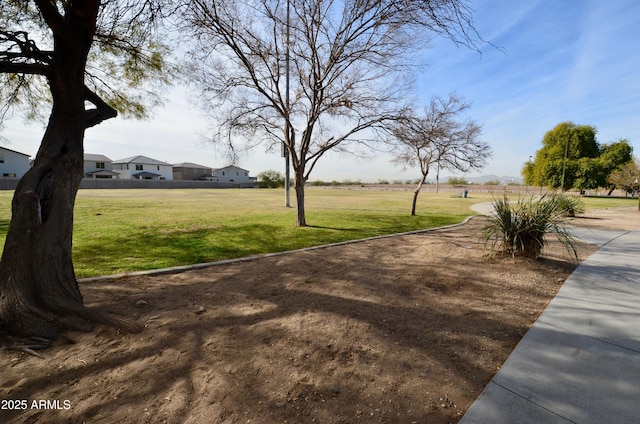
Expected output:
(29, 321)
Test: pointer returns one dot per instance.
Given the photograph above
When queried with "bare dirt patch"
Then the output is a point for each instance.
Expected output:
(407, 329)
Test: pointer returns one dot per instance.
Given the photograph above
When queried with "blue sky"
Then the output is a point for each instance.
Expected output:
(554, 61)
(557, 61)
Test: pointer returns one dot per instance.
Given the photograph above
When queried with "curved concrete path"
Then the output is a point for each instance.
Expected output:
(580, 361)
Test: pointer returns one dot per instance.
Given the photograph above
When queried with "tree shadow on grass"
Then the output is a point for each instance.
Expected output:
(333, 228)
(147, 249)
(152, 248)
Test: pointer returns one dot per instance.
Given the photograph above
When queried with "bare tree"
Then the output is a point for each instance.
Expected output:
(440, 137)
(627, 178)
(344, 63)
(74, 55)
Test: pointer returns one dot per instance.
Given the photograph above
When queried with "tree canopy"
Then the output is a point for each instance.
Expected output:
(572, 158)
(271, 179)
(125, 64)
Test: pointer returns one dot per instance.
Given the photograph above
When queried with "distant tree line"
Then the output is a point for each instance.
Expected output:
(275, 179)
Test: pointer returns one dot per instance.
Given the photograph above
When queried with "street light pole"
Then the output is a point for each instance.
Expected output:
(564, 162)
(287, 125)
(530, 172)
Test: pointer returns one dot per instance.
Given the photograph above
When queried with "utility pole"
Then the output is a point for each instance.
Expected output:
(564, 162)
(287, 124)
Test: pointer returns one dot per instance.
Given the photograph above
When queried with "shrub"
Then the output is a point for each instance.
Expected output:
(520, 228)
(457, 181)
(570, 205)
(270, 179)
(492, 182)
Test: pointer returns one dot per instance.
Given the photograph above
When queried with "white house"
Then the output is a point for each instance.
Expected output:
(143, 168)
(232, 174)
(98, 166)
(13, 164)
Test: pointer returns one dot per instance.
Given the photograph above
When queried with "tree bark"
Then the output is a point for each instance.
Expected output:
(37, 280)
(416, 192)
(301, 220)
(39, 294)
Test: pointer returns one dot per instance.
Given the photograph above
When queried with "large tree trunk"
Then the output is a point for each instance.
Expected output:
(37, 280)
(39, 294)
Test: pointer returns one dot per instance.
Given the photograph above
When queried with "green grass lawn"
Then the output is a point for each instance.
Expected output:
(128, 230)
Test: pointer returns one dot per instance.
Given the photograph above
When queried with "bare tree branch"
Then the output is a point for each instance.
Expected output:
(102, 112)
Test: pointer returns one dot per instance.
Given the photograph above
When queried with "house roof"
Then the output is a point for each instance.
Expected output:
(146, 174)
(102, 172)
(141, 160)
(230, 167)
(96, 158)
(190, 165)
(20, 153)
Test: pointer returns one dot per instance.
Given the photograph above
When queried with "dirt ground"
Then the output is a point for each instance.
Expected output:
(405, 329)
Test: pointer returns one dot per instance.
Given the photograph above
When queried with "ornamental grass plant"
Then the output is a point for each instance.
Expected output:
(570, 205)
(520, 228)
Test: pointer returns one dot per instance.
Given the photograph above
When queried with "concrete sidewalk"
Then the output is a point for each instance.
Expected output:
(580, 362)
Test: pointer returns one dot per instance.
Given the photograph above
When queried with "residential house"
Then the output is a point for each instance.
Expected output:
(143, 168)
(191, 171)
(232, 174)
(98, 166)
(13, 164)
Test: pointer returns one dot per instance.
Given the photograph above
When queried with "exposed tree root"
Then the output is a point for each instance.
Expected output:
(99, 317)
(31, 345)
(50, 327)
(41, 326)
(26, 349)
